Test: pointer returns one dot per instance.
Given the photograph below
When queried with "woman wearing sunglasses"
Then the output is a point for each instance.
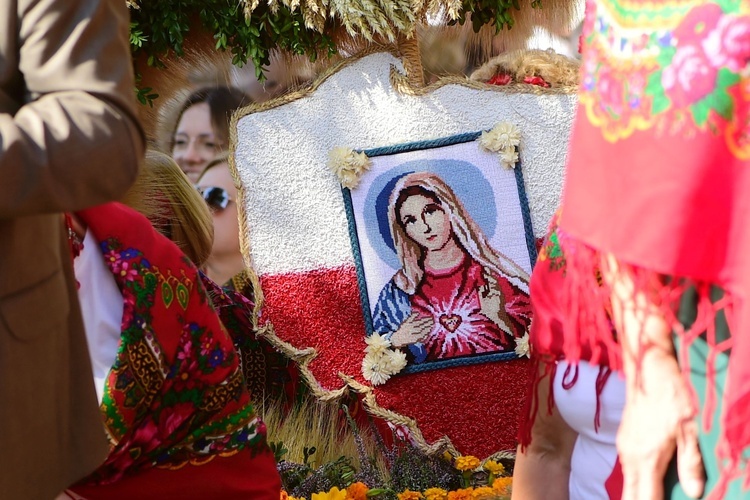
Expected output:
(220, 193)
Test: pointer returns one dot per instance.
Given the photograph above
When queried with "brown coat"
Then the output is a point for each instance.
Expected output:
(69, 139)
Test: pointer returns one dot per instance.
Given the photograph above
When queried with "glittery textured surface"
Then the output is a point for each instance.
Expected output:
(476, 406)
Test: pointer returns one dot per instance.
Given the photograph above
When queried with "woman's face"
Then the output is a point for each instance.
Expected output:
(226, 225)
(425, 222)
(195, 143)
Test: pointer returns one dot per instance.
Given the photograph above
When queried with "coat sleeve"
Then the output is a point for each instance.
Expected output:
(75, 140)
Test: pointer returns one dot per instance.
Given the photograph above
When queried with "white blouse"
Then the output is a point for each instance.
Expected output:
(101, 306)
(594, 453)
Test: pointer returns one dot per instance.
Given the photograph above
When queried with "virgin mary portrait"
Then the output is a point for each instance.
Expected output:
(454, 295)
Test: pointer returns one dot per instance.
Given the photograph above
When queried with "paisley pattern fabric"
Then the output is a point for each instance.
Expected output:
(270, 375)
(175, 394)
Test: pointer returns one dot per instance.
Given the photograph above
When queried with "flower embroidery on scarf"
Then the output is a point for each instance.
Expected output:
(172, 408)
(681, 73)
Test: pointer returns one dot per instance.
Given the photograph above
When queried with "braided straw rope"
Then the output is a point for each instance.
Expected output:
(412, 59)
(438, 447)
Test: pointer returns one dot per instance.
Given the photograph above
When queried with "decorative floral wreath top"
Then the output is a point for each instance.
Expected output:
(672, 66)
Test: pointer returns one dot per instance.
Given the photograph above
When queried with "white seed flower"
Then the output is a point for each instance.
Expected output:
(395, 361)
(522, 346)
(348, 165)
(503, 136)
(509, 157)
(376, 344)
(373, 369)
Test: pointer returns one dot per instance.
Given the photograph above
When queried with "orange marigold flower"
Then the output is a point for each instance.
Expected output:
(483, 493)
(495, 468)
(467, 463)
(357, 491)
(284, 495)
(462, 494)
(435, 494)
(410, 495)
(503, 485)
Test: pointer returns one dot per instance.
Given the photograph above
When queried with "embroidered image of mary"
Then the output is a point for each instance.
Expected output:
(454, 295)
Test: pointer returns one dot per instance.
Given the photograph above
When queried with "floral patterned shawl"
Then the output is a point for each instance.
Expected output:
(175, 394)
(659, 175)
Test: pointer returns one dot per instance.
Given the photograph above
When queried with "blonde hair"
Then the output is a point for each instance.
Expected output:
(163, 193)
(219, 160)
(466, 231)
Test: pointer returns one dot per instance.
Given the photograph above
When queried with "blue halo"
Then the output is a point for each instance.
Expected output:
(466, 180)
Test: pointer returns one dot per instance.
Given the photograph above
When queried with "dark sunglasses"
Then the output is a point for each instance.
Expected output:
(216, 198)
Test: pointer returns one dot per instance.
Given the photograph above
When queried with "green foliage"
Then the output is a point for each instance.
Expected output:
(498, 13)
(302, 481)
(145, 95)
(159, 27)
(278, 449)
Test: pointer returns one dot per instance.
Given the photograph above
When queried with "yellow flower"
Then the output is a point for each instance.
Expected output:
(333, 494)
(503, 485)
(435, 494)
(357, 491)
(410, 495)
(483, 493)
(495, 468)
(463, 494)
(467, 463)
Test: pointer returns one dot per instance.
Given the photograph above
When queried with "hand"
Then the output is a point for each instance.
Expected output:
(659, 415)
(413, 329)
(491, 304)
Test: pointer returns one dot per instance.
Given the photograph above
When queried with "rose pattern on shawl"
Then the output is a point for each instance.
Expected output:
(689, 77)
(729, 44)
(681, 69)
(610, 89)
(551, 249)
(697, 23)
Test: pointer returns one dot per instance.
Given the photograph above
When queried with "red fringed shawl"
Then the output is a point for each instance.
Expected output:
(552, 302)
(175, 397)
(659, 175)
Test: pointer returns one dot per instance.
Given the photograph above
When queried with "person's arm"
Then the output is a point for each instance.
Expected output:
(658, 418)
(77, 141)
(542, 470)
